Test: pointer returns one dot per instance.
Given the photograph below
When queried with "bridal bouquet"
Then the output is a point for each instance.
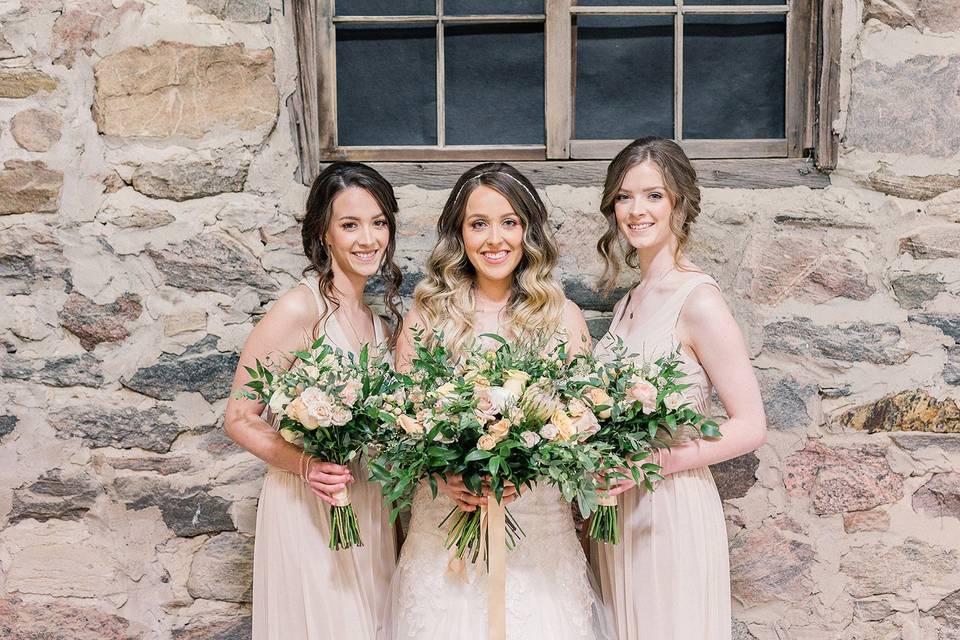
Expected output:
(330, 402)
(639, 407)
(493, 417)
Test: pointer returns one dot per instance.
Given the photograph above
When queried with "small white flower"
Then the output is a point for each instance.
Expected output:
(549, 431)
(278, 401)
(673, 401)
(530, 438)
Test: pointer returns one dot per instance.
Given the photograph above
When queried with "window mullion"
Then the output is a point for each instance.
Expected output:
(678, 72)
(558, 90)
(441, 80)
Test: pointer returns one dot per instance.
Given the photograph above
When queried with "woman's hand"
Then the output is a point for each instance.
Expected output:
(453, 487)
(510, 492)
(326, 479)
(616, 486)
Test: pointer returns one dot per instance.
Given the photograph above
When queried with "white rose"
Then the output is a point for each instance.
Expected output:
(673, 401)
(341, 416)
(278, 401)
(311, 372)
(290, 435)
(530, 439)
(549, 431)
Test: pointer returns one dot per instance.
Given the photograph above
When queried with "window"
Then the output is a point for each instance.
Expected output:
(421, 80)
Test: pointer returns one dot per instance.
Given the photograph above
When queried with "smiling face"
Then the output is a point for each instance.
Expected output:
(358, 233)
(643, 208)
(492, 235)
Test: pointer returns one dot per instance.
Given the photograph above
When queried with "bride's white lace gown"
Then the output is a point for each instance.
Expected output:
(549, 590)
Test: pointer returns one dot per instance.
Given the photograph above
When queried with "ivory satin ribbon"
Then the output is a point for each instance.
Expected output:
(497, 577)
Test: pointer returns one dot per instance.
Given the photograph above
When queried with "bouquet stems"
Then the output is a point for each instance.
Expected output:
(344, 528)
(466, 536)
(604, 526)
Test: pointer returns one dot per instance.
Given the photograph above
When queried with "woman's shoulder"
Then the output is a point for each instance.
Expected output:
(295, 305)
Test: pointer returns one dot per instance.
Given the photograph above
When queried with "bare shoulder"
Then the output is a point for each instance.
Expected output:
(705, 301)
(295, 307)
(571, 311)
(414, 318)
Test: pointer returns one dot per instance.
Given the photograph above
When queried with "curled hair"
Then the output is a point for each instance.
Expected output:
(680, 181)
(446, 297)
(333, 180)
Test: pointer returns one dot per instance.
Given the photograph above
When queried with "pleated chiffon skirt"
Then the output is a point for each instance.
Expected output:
(301, 589)
(669, 578)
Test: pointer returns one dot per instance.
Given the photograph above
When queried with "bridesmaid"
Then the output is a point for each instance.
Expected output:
(669, 579)
(301, 589)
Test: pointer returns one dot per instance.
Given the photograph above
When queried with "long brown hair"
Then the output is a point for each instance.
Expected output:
(680, 180)
(445, 297)
(335, 178)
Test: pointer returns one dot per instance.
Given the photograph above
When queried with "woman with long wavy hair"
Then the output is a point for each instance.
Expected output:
(491, 272)
(669, 578)
(301, 589)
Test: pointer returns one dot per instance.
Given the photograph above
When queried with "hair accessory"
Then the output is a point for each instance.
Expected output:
(503, 173)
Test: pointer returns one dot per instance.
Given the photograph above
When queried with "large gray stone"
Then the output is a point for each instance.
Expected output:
(171, 89)
(948, 610)
(222, 630)
(28, 256)
(915, 442)
(236, 10)
(951, 369)
(54, 495)
(29, 187)
(223, 569)
(96, 323)
(925, 15)
(736, 476)
(892, 107)
(911, 187)
(914, 410)
(842, 479)
(163, 465)
(785, 401)
(855, 342)
(878, 569)
(587, 297)
(914, 289)
(200, 368)
(7, 424)
(949, 323)
(187, 512)
(940, 496)
(153, 429)
(59, 620)
(192, 179)
(213, 262)
(65, 371)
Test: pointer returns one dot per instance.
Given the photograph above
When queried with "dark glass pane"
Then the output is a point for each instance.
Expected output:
(481, 7)
(494, 83)
(386, 7)
(722, 2)
(624, 77)
(386, 85)
(733, 76)
(624, 3)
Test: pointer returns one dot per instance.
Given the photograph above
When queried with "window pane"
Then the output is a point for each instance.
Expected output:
(386, 85)
(480, 7)
(728, 2)
(494, 83)
(623, 3)
(386, 7)
(734, 76)
(624, 81)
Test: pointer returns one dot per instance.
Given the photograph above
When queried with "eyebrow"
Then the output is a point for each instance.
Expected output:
(648, 189)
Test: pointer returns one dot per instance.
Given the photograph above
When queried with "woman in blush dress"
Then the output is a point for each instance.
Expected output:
(301, 589)
(669, 578)
(491, 273)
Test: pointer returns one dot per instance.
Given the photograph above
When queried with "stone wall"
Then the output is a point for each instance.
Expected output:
(148, 215)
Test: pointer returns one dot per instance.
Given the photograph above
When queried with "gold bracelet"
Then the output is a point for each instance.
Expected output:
(300, 467)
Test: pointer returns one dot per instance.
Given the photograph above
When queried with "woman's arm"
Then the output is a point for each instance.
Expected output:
(283, 330)
(707, 328)
(579, 340)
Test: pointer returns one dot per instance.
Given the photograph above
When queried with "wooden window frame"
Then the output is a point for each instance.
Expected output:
(811, 86)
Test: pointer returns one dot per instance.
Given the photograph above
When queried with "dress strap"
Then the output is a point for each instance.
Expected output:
(314, 286)
(679, 297)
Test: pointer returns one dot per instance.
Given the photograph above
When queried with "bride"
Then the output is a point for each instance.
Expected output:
(491, 273)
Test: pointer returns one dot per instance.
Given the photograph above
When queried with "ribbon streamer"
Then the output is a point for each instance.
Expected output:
(342, 497)
(604, 499)
(496, 526)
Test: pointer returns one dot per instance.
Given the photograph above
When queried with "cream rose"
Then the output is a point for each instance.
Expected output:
(486, 442)
(564, 425)
(549, 431)
(499, 430)
(297, 410)
(447, 391)
(530, 439)
(278, 401)
(586, 424)
(673, 401)
(341, 416)
(290, 435)
(600, 398)
(516, 382)
(409, 425)
(576, 408)
(645, 393)
(319, 405)
(348, 395)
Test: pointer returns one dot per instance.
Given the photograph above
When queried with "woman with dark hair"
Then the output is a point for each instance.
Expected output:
(491, 272)
(301, 589)
(669, 578)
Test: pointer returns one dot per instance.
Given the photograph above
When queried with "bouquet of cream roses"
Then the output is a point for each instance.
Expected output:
(329, 402)
(639, 407)
(493, 417)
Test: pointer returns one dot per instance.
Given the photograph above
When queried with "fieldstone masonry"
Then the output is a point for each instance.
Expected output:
(149, 215)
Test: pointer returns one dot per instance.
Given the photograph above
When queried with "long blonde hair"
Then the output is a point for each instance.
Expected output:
(445, 297)
(680, 181)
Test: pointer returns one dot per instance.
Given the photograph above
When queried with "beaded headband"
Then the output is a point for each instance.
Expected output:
(503, 173)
